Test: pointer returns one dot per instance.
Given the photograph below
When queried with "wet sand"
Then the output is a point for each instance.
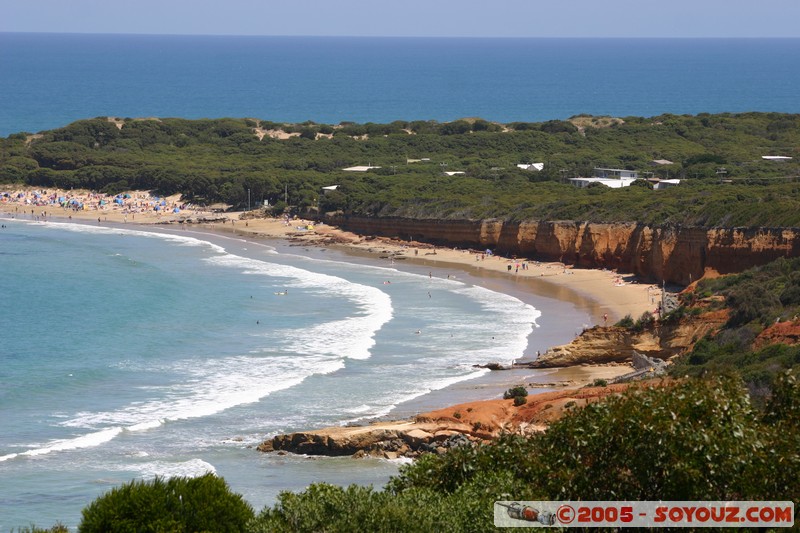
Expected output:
(594, 296)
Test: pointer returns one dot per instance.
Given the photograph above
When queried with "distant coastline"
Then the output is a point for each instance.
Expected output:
(50, 80)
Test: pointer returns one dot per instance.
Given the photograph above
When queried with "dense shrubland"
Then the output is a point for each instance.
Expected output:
(694, 439)
(706, 435)
(756, 301)
(221, 160)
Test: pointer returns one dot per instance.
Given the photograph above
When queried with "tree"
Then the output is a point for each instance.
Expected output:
(178, 505)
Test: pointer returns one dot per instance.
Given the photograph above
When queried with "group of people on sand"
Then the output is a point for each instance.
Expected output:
(71, 202)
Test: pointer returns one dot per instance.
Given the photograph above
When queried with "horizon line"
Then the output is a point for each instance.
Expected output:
(474, 37)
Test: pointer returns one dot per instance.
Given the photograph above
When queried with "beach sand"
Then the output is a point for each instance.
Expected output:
(612, 295)
(616, 294)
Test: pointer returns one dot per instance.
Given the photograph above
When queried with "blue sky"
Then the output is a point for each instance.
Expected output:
(447, 18)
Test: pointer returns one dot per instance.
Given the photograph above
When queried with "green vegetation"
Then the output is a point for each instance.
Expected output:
(224, 160)
(711, 436)
(700, 439)
(175, 505)
(755, 300)
(518, 393)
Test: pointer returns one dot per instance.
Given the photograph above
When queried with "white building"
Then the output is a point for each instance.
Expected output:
(614, 183)
(614, 173)
(665, 184)
(531, 166)
(359, 168)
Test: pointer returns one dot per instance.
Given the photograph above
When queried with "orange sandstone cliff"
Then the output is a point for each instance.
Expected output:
(668, 253)
(612, 344)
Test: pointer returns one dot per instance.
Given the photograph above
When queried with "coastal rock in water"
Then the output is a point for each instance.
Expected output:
(384, 440)
(493, 366)
(438, 431)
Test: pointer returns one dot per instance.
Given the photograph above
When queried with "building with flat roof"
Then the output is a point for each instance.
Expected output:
(614, 173)
(359, 168)
(665, 184)
(614, 183)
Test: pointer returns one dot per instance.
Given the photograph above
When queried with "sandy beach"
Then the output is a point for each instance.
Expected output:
(615, 295)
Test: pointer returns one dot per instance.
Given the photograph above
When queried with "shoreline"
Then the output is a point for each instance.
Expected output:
(615, 294)
(597, 292)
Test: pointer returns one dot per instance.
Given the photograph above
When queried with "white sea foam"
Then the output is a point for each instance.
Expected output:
(423, 389)
(352, 336)
(84, 441)
(209, 387)
(180, 240)
(165, 469)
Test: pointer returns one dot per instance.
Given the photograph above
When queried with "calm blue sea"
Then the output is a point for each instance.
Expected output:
(49, 80)
(128, 354)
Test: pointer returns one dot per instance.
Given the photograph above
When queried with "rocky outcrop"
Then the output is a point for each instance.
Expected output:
(787, 333)
(613, 344)
(438, 431)
(668, 253)
(389, 439)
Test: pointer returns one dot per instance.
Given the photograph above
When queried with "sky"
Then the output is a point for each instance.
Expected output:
(409, 18)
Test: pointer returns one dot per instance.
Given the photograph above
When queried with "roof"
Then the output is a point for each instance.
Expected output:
(330, 188)
(359, 168)
(614, 183)
(661, 162)
(776, 157)
(454, 172)
(531, 166)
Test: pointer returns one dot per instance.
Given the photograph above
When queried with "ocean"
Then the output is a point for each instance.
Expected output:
(130, 353)
(50, 80)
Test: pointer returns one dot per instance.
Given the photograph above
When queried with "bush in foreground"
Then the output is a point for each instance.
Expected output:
(695, 440)
(175, 505)
(518, 393)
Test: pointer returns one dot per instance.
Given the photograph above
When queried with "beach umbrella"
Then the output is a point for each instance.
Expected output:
(176, 210)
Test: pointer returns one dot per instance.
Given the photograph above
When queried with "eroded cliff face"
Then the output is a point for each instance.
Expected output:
(613, 344)
(673, 254)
